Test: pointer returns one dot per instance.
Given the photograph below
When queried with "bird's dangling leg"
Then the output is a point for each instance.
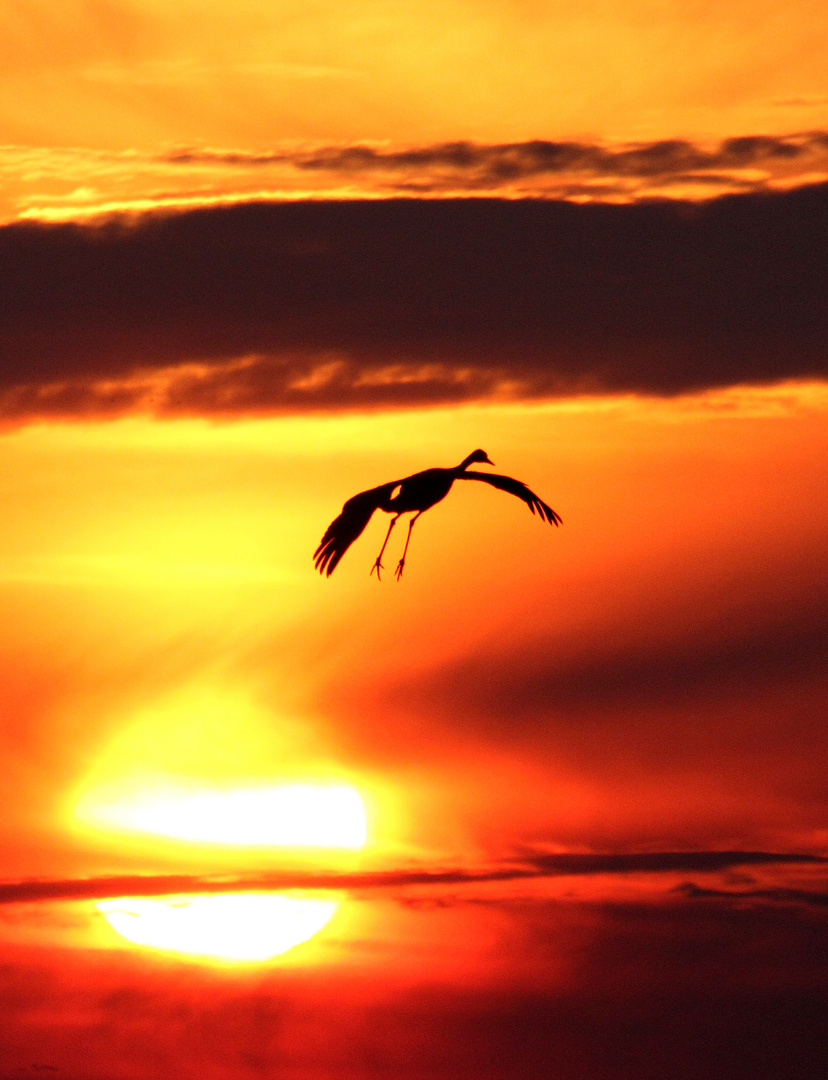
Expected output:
(401, 563)
(378, 564)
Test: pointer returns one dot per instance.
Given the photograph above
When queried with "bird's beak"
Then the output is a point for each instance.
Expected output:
(489, 460)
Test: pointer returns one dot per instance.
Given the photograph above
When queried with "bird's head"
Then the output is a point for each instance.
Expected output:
(475, 457)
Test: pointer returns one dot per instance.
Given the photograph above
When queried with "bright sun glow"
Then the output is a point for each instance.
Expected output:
(215, 774)
(231, 926)
(284, 815)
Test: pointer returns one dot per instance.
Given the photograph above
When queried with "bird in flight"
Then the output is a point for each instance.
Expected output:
(418, 493)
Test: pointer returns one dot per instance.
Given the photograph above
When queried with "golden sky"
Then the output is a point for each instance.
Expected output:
(136, 75)
(100, 98)
(157, 575)
(551, 805)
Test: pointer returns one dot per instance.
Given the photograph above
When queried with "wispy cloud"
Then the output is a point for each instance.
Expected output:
(186, 70)
(478, 165)
(71, 183)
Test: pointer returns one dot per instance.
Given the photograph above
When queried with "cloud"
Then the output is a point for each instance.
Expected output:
(712, 663)
(740, 896)
(661, 984)
(185, 71)
(535, 683)
(77, 183)
(541, 865)
(382, 304)
(465, 164)
(680, 983)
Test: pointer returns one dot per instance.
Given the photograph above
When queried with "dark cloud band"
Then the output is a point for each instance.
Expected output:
(534, 866)
(386, 304)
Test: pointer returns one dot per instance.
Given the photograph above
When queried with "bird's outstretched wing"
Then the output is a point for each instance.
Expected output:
(515, 487)
(343, 530)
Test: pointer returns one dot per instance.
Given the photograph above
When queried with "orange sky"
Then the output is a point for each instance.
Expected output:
(639, 680)
(97, 95)
(554, 803)
(123, 75)
(150, 567)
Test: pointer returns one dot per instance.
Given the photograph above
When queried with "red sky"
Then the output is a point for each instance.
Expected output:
(255, 260)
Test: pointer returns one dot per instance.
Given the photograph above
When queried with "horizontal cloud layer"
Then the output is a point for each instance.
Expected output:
(542, 865)
(382, 304)
(454, 166)
(74, 183)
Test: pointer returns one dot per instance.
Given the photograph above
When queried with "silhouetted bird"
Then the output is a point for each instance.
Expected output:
(419, 493)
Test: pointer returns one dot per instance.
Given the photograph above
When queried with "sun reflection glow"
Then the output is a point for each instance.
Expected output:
(229, 926)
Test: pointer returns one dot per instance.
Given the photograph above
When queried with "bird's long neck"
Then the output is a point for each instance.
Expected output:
(464, 464)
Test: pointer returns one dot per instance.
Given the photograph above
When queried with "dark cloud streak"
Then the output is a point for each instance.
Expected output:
(490, 165)
(775, 896)
(535, 866)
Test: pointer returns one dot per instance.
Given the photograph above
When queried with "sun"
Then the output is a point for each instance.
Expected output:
(231, 926)
(213, 778)
(240, 927)
(306, 815)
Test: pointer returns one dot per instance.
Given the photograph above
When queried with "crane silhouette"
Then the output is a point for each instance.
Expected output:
(418, 493)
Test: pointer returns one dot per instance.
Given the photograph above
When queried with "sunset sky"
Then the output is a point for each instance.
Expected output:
(554, 804)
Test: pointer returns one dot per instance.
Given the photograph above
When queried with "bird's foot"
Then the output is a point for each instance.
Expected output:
(399, 570)
(377, 566)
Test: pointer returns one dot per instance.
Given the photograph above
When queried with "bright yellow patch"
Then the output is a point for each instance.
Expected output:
(231, 926)
(283, 815)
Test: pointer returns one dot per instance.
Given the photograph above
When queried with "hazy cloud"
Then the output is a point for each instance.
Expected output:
(682, 989)
(537, 680)
(693, 981)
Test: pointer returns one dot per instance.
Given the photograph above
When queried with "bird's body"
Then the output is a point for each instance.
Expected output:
(421, 491)
(416, 493)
